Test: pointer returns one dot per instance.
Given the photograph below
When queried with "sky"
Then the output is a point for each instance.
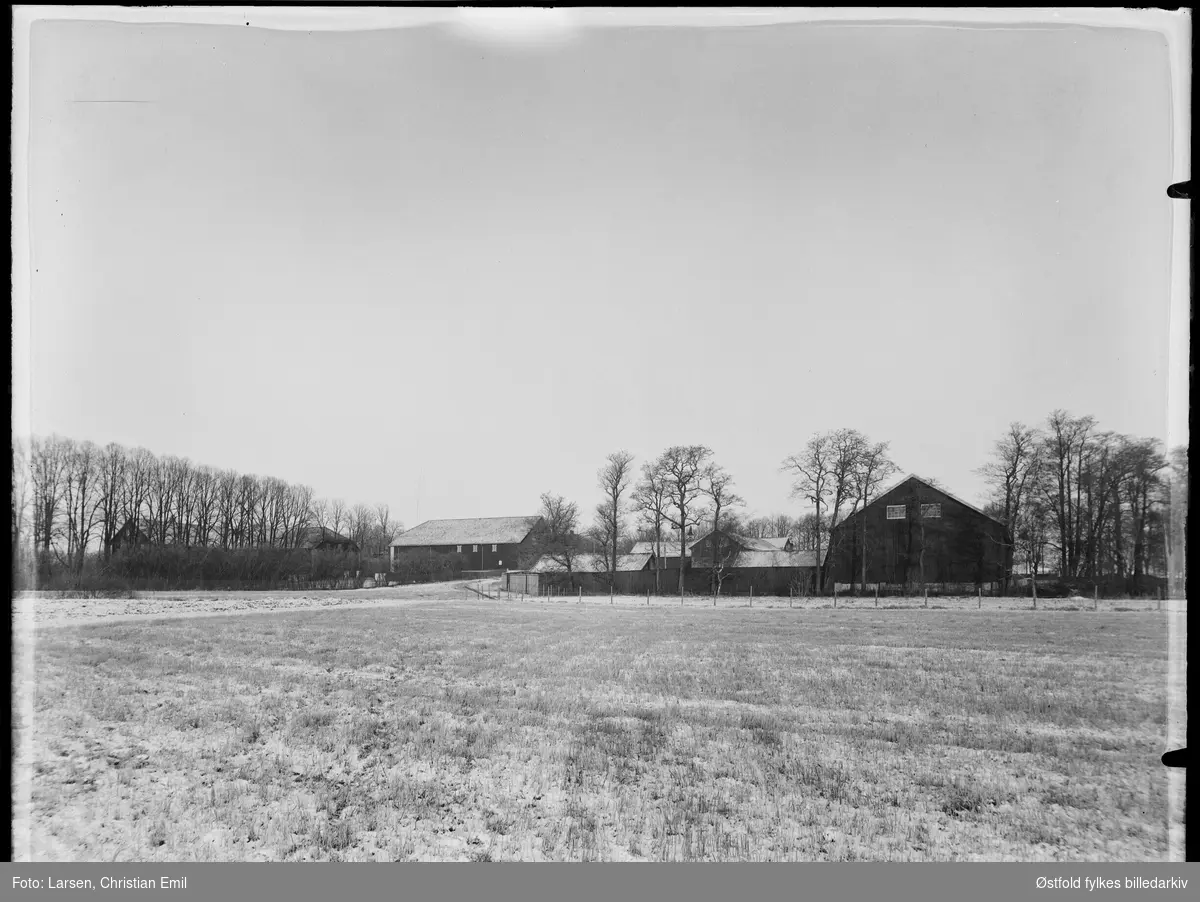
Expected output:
(416, 267)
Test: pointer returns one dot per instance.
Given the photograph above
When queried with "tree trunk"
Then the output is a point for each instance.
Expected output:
(863, 551)
(820, 579)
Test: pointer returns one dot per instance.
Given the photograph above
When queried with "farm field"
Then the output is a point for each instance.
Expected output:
(552, 730)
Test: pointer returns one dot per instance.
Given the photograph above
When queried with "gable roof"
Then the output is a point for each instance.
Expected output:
(780, 542)
(312, 536)
(925, 482)
(477, 531)
(746, 542)
(777, 558)
(670, 547)
(132, 530)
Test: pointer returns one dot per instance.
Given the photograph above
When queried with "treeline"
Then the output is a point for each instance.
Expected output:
(74, 501)
(1083, 503)
(1077, 503)
(684, 492)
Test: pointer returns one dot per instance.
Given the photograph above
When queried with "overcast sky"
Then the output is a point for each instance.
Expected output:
(412, 267)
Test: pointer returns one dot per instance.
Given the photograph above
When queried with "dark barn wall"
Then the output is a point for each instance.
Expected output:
(505, 557)
(962, 546)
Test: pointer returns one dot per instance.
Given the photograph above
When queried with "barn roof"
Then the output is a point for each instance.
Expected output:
(477, 531)
(312, 536)
(779, 542)
(776, 558)
(669, 545)
(747, 542)
(925, 482)
(591, 563)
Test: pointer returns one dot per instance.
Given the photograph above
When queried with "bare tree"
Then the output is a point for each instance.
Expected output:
(1011, 474)
(758, 527)
(319, 513)
(1063, 448)
(847, 448)
(716, 484)
(783, 525)
(559, 538)
(872, 469)
(112, 468)
(682, 468)
(207, 485)
(650, 500)
(383, 521)
(83, 501)
(338, 514)
(48, 461)
(181, 481)
(1143, 478)
(299, 514)
(613, 480)
(361, 518)
(812, 471)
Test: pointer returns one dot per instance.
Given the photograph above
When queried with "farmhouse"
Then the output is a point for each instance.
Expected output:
(483, 543)
(725, 545)
(667, 548)
(319, 538)
(129, 536)
(916, 535)
(737, 563)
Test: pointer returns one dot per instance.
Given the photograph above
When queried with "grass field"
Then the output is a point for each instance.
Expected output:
(473, 730)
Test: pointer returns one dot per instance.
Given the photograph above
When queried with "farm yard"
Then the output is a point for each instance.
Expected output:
(393, 725)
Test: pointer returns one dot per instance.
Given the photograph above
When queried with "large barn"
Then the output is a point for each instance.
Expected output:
(916, 535)
(483, 543)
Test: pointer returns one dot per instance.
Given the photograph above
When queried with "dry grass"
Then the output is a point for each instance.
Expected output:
(480, 731)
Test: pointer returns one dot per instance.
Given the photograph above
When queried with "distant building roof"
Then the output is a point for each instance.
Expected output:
(669, 545)
(778, 558)
(591, 563)
(747, 542)
(780, 542)
(312, 536)
(478, 531)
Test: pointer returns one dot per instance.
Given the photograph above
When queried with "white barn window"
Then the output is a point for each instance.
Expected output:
(895, 511)
(474, 547)
(458, 548)
(493, 548)
(933, 511)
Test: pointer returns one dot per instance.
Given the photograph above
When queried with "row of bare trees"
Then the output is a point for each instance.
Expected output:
(72, 498)
(668, 498)
(1087, 503)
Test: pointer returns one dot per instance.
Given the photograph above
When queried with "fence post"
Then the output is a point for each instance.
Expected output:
(580, 595)
(876, 594)
(835, 596)
(752, 595)
(926, 602)
(981, 598)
